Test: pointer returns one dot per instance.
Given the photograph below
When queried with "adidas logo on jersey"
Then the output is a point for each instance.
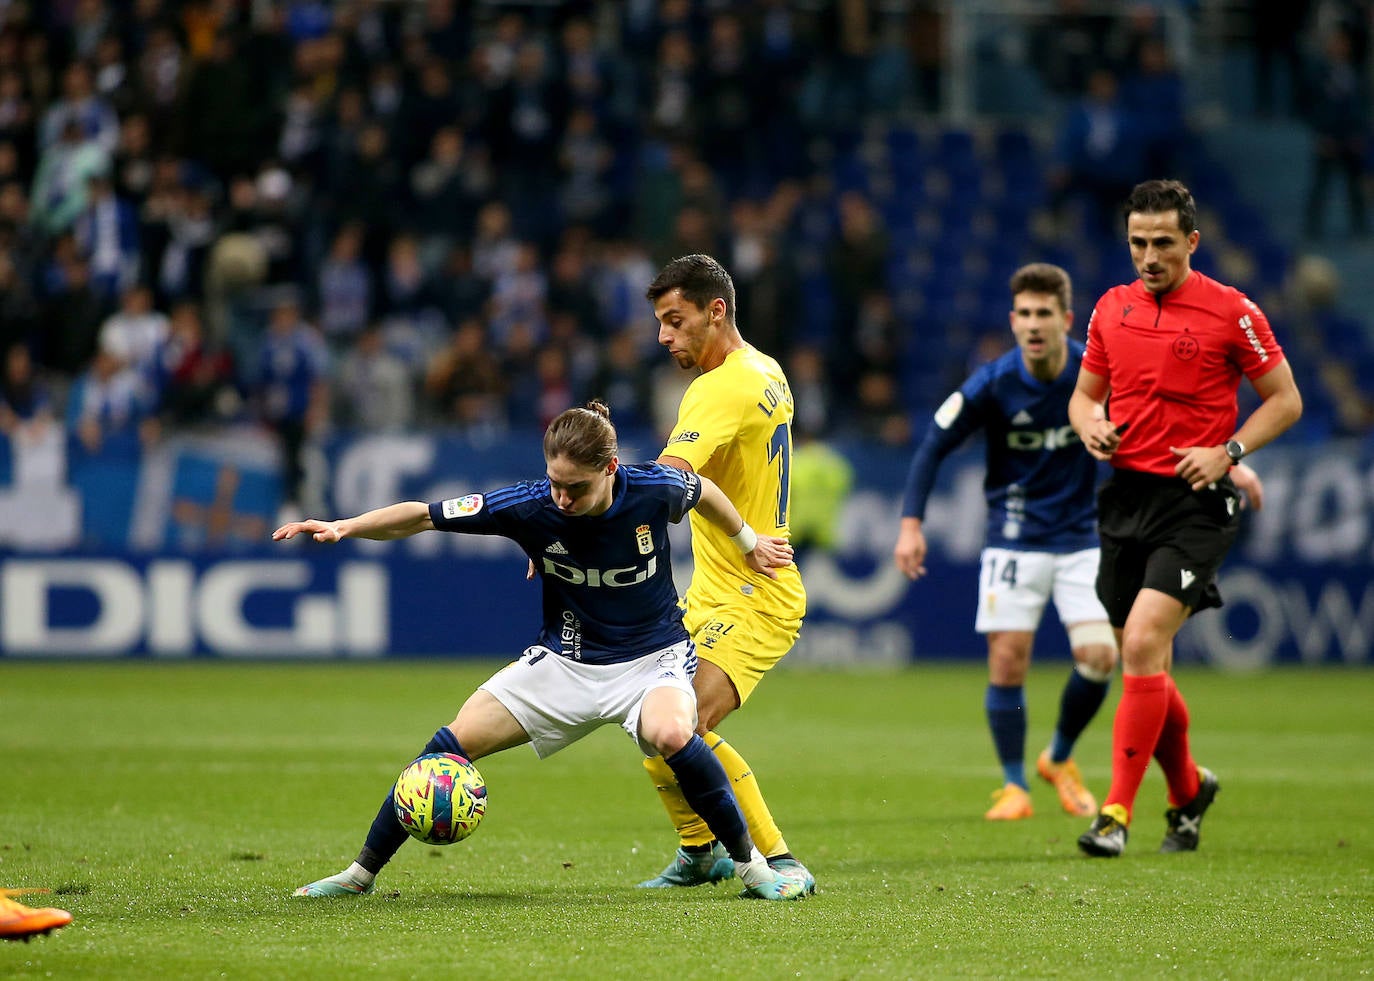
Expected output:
(1022, 418)
(557, 548)
(1186, 578)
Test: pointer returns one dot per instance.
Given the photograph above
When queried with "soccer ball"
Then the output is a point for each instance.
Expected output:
(440, 798)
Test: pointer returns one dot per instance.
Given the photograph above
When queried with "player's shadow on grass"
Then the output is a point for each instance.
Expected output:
(553, 896)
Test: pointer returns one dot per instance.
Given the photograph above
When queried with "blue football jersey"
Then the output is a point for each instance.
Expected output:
(290, 365)
(607, 579)
(1040, 482)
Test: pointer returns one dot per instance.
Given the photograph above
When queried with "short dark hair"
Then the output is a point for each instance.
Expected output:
(1043, 277)
(1158, 196)
(583, 435)
(701, 280)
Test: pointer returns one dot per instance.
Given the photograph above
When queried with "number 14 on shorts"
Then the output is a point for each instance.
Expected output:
(1000, 572)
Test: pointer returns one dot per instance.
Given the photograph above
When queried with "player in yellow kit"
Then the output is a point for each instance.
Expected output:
(735, 426)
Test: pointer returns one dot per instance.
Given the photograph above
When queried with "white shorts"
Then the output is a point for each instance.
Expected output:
(1013, 588)
(557, 701)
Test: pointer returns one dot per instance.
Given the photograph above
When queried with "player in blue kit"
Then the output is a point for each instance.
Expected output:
(1041, 535)
(611, 647)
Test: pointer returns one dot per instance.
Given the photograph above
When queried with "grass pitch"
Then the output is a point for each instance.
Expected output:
(173, 807)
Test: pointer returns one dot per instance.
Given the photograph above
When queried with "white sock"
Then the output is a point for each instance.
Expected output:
(357, 875)
(754, 872)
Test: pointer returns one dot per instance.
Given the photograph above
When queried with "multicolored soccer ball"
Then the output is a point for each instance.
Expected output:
(440, 798)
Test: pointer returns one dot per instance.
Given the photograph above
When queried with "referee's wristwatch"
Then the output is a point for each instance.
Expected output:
(1235, 449)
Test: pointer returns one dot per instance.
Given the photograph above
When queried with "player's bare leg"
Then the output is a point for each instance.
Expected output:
(489, 728)
(1009, 654)
(1146, 653)
(667, 723)
(1094, 655)
(698, 860)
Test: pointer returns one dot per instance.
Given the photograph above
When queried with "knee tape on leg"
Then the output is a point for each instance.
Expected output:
(1086, 634)
(1091, 635)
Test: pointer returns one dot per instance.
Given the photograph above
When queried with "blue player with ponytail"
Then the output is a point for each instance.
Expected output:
(611, 647)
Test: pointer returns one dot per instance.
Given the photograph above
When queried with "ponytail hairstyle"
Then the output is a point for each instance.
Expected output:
(583, 435)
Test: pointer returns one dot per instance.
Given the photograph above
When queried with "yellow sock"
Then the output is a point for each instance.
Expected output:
(690, 828)
(762, 828)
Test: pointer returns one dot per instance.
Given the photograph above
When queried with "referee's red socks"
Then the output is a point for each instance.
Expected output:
(1172, 750)
(1140, 718)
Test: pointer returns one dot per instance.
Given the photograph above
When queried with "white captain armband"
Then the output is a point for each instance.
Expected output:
(745, 538)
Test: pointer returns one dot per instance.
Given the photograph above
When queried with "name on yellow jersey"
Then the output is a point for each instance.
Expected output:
(777, 393)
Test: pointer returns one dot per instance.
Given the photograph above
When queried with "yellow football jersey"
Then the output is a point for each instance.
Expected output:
(735, 426)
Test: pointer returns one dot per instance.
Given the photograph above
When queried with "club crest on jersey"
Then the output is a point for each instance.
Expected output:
(1185, 347)
(459, 507)
(644, 538)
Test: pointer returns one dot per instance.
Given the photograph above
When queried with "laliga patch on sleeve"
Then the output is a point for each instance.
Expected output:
(949, 410)
(458, 507)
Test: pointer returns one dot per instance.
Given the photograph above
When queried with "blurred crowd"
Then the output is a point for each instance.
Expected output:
(387, 213)
(378, 213)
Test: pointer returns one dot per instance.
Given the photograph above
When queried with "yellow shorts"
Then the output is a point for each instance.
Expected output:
(741, 641)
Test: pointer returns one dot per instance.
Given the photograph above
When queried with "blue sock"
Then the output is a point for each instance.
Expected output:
(1081, 699)
(1006, 708)
(443, 741)
(707, 789)
(387, 835)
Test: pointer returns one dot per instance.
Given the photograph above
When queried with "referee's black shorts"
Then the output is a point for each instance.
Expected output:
(1158, 533)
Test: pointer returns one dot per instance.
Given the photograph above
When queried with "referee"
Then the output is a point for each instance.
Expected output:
(1169, 349)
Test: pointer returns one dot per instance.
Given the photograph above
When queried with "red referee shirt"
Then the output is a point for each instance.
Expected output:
(1174, 362)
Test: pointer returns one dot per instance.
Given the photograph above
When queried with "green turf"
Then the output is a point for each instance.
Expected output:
(173, 807)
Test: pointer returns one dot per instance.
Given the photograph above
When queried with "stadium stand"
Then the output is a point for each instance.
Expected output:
(413, 171)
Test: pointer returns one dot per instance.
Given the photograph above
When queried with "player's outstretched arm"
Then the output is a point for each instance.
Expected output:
(762, 553)
(383, 524)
